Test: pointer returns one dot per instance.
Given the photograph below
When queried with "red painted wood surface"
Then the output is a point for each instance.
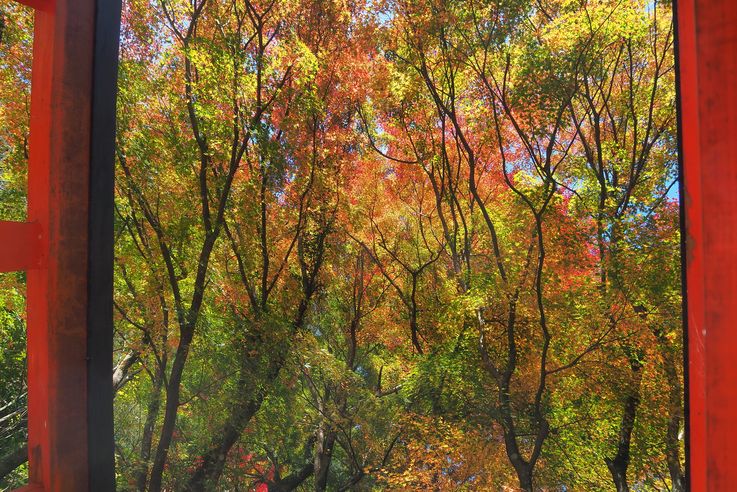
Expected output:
(708, 72)
(69, 338)
(20, 248)
(31, 488)
(57, 205)
(694, 250)
(39, 4)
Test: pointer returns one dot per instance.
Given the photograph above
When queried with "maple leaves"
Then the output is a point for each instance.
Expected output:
(408, 245)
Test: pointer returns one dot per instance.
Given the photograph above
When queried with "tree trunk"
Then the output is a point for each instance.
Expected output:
(148, 432)
(121, 371)
(672, 445)
(414, 331)
(293, 481)
(208, 472)
(524, 475)
(522, 467)
(672, 451)
(211, 467)
(323, 458)
(619, 474)
(173, 392)
(619, 464)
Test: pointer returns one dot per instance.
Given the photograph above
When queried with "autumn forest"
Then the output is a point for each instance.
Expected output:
(369, 245)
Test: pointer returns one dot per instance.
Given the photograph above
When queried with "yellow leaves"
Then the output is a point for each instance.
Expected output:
(400, 84)
(672, 336)
(307, 63)
(441, 454)
(598, 19)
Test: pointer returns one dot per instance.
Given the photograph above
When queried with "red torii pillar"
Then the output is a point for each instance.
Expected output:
(707, 55)
(66, 245)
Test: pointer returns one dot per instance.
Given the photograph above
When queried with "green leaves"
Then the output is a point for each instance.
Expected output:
(445, 241)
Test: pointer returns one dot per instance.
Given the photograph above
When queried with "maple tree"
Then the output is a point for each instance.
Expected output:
(385, 245)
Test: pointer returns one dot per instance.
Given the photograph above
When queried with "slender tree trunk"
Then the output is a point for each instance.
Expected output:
(173, 392)
(152, 414)
(208, 472)
(619, 474)
(121, 371)
(619, 464)
(672, 445)
(293, 481)
(523, 468)
(211, 467)
(525, 481)
(524, 472)
(672, 451)
(323, 457)
(414, 331)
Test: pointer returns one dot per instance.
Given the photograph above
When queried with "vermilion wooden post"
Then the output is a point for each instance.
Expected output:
(66, 245)
(57, 292)
(707, 44)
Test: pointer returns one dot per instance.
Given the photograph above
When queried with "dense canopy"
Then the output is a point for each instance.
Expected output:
(383, 245)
